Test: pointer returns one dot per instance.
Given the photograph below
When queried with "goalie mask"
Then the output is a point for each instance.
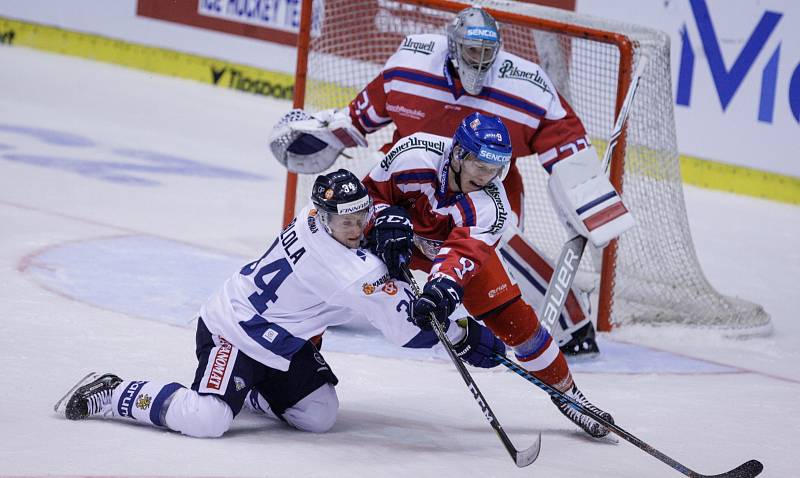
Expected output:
(481, 151)
(473, 41)
(343, 206)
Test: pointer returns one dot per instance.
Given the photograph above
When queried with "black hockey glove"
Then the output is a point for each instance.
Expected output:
(479, 345)
(391, 239)
(440, 296)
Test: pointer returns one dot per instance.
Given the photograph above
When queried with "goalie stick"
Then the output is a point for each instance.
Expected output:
(566, 267)
(748, 469)
(521, 458)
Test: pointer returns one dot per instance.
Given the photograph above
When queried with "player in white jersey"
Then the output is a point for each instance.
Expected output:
(258, 335)
(450, 190)
(429, 85)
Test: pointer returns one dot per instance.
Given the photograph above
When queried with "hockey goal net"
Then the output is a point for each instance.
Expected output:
(651, 275)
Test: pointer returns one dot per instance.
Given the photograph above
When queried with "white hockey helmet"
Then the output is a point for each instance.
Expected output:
(473, 41)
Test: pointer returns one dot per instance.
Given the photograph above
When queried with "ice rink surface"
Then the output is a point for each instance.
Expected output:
(126, 198)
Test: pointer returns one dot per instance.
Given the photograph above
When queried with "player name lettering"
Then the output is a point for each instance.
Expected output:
(289, 239)
(411, 143)
(418, 46)
(508, 70)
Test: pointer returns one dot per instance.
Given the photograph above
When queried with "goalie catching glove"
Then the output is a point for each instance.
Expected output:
(310, 144)
(586, 199)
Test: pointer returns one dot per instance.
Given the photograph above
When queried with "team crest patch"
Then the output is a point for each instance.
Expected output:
(368, 288)
(238, 382)
(390, 287)
(143, 402)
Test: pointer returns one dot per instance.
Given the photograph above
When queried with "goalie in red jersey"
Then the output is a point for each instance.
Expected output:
(433, 81)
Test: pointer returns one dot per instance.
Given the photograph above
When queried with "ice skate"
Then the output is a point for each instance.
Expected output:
(90, 396)
(585, 422)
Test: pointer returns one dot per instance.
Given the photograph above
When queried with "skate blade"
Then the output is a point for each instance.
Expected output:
(61, 405)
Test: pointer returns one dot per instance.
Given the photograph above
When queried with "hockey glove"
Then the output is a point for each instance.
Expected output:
(310, 144)
(391, 239)
(439, 298)
(479, 345)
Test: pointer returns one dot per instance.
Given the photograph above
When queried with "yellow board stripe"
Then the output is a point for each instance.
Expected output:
(157, 60)
(740, 180)
(695, 171)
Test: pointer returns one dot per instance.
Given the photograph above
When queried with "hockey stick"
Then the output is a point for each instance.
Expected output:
(570, 258)
(522, 458)
(746, 470)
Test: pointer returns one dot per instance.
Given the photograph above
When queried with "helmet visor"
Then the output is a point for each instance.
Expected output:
(348, 228)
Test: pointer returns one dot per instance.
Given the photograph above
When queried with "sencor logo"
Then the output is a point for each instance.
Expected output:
(481, 33)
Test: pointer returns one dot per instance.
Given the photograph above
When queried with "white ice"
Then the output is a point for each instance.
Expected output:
(126, 197)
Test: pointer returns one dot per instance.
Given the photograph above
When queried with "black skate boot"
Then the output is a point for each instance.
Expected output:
(582, 342)
(93, 397)
(585, 422)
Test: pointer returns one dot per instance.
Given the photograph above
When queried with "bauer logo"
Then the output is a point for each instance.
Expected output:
(510, 71)
(417, 47)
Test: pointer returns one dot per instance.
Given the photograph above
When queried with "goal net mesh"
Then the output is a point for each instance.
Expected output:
(657, 278)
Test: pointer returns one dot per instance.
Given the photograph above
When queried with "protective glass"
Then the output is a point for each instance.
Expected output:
(473, 168)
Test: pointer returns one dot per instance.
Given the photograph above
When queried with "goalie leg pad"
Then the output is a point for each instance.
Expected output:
(587, 200)
(532, 272)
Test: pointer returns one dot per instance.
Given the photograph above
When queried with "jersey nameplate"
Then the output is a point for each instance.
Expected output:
(289, 242)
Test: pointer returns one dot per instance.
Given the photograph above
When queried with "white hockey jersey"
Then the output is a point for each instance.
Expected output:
(304, 283)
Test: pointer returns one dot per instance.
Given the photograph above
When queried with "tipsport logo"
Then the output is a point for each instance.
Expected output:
(727, 81)
(237, 80)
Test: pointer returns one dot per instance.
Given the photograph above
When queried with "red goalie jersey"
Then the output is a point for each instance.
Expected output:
(417, 91)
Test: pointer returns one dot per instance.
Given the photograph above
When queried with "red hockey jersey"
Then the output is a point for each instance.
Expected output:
(453, 232)
(417, 91)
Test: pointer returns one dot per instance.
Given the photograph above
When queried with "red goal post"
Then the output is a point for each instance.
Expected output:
(649, 275)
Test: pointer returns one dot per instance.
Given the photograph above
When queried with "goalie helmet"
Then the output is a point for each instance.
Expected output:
(343, 206)
(473, 41)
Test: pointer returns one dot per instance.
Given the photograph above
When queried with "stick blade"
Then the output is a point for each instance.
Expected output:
(745, 470)
(526, 457)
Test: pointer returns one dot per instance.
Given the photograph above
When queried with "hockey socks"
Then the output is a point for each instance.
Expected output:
(517, 325)
(142, 401)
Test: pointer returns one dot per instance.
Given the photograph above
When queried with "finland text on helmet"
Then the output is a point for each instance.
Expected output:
(486, 137)
(343, 205)
(473, 41)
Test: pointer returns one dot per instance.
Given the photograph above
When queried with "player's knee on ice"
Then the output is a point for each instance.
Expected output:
(316, 412)
(199, 416)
